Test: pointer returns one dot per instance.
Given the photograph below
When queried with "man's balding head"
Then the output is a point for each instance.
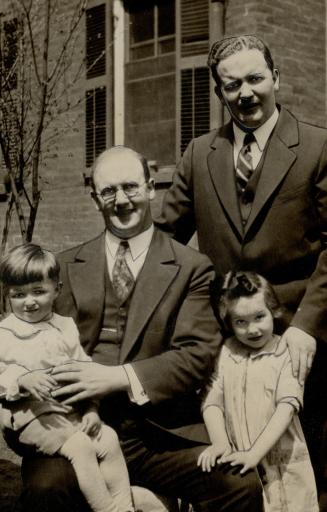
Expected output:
(120, 151)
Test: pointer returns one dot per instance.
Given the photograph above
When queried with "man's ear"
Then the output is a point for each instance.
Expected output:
(151, 188)
(59, 287)
(276, 75)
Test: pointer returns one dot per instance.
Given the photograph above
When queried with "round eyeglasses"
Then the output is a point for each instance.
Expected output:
(130, 189)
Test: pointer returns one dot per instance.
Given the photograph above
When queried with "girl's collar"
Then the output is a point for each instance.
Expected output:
(238, 351)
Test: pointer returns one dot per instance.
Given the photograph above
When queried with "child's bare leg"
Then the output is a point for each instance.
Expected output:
(113, 468)
(81, 452)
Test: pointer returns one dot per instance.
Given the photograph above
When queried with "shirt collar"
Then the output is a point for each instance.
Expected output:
(238, 351)
(25, 330)
(137, 244)
(261, 134)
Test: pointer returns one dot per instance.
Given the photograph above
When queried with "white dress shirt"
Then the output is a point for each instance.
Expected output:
(261, 135)
(135, 257)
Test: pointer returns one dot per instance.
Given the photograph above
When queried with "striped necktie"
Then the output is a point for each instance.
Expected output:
(244, 164)
(122, 277)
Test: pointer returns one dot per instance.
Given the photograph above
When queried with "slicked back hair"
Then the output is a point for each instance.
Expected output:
(228, 46)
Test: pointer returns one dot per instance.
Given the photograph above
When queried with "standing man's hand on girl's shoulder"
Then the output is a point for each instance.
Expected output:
(212, 455)
(302, 347)
(38, 383)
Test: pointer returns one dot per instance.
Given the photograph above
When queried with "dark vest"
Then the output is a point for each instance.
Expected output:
(246, 196)
(114, 320)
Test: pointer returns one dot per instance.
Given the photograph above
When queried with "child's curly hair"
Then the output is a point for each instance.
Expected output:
(245, 284)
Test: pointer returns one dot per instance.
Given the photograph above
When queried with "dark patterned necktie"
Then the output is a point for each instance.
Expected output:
(122, 277)
(244, 164)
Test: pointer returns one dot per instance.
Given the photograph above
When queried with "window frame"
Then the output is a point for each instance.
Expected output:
(155, 41)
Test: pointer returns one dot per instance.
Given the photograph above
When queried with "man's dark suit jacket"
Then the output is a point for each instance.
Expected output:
(285, 236)
(171, 335)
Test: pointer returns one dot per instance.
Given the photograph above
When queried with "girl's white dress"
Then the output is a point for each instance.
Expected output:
(247, 386)
(30, 346)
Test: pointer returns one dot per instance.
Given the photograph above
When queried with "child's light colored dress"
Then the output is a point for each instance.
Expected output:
(247, 386)
(30, 346)
(47, 425)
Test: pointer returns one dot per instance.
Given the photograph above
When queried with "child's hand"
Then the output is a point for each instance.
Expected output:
(38, 383)
(207, 459)
(247, 459)
(91, 424)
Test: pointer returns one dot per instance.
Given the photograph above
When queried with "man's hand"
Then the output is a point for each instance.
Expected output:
(86, 380)
(207, 459)
(38, 383)
(302, 348)
(247, 459)
(91, 424)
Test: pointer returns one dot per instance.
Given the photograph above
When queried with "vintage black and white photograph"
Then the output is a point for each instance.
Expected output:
(163, 256)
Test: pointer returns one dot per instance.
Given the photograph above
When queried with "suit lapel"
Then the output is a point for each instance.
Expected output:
(158, 272)
(278, 161)
(221, 168)
(87, 276)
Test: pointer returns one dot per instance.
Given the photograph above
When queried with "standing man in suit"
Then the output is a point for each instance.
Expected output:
(256, 192)
(141, 304)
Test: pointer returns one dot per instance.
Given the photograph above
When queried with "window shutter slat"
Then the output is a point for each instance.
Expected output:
(95, 122)
(95, 41)
(195, 104)
(194, 27)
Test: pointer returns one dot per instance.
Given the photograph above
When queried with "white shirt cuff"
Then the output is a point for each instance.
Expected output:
(136, 393)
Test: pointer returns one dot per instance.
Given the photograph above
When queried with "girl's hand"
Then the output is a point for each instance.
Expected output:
(248, 460)
(207, 459)
(91, 424)
(38, 383)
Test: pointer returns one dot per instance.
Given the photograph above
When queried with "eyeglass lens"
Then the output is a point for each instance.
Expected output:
(129, 189)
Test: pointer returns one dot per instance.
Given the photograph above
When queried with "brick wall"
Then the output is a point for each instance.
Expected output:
(295, 32)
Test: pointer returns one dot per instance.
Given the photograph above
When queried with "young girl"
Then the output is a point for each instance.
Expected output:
(33, 340)
(251, 409)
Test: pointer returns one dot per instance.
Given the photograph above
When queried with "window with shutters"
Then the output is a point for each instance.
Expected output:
(96, 41)
(96, 100)
(194, 27)
(95, 123)
(151, 28)
(194, 79)
(195, 104)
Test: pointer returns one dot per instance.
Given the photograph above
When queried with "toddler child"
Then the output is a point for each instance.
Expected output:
(34, 339)
(251, 408)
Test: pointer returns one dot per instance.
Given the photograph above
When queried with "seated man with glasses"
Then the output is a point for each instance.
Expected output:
(141, 304)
